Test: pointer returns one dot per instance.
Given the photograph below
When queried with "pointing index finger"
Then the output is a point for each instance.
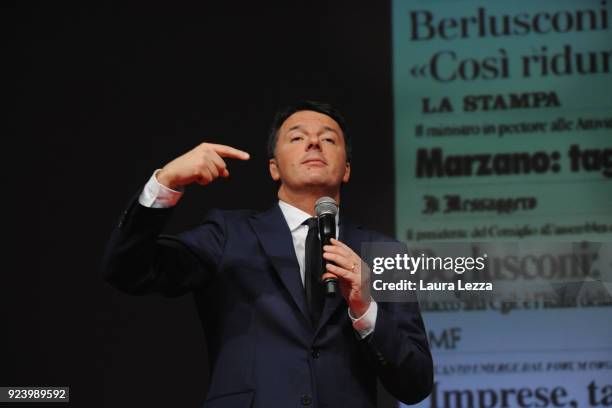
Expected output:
(228, 151)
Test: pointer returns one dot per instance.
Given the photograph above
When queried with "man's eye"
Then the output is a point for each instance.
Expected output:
(294, 138)
(330, 140)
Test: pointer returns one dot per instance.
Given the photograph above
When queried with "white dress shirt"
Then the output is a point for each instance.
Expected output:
(156, 195)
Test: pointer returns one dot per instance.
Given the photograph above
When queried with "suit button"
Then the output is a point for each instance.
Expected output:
(306, 399)
(315, 353)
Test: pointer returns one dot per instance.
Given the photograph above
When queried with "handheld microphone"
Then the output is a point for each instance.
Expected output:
(326, 210)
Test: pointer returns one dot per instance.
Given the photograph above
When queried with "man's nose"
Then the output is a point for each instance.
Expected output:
(313, 142)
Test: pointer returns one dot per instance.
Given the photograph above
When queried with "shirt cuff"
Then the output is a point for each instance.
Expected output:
(364, 325)
(156, 195)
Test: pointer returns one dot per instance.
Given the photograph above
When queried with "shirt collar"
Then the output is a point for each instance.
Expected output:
(295, 217)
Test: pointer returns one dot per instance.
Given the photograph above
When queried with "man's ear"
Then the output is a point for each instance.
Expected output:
(273, 169)
(347, 172)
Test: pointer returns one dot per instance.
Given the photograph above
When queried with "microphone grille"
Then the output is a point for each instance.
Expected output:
(326, 205)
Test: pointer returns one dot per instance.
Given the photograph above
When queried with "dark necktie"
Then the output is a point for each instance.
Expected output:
(315, 295)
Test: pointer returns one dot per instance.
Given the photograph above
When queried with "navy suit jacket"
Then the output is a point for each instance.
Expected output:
(263, 347)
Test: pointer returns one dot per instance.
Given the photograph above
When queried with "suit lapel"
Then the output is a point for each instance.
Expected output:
(350, 235)
(275, 238)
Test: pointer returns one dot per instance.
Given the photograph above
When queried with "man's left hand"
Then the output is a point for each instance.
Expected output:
(347, 266)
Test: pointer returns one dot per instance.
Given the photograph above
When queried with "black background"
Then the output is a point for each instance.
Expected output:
(105, 94)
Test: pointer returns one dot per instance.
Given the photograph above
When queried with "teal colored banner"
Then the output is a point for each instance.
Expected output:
(503, 132)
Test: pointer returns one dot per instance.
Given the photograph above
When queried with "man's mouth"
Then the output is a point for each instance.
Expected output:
(314, 160)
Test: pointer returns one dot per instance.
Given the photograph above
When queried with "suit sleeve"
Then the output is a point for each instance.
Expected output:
(398, 348)
(139, 259)
(399, 351)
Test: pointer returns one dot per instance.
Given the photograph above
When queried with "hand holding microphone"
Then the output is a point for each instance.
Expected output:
(342, 266)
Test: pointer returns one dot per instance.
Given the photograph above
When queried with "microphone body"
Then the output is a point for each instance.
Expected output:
(326, 210)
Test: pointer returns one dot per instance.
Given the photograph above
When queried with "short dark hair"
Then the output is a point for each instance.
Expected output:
(325, 108)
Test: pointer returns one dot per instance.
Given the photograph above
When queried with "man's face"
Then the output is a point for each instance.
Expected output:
(310, 153)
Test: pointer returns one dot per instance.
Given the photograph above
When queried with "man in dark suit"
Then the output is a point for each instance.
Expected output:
(271, 342)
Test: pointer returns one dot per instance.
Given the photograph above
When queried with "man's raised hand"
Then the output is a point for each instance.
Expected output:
(200, 165)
